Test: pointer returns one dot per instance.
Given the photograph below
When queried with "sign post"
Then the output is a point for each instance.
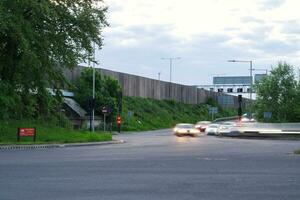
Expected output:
(267, 115)
(212, 111)
(106, 110)
(26, 132)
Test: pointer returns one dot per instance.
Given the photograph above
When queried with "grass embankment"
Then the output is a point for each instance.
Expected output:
(297, 151)
(47, 133)
(141, 114)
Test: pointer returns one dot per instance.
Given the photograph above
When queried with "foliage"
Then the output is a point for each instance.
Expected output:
(47, 132)
(38, 40)
(149, 114)
(297, 151)
(278, 93)
(106, 91)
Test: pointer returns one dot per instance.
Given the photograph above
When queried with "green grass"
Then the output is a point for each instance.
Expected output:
(47, 133)
(297, 151)
(150, 114)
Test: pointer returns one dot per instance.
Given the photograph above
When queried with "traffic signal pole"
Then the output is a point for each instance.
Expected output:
(119, 118)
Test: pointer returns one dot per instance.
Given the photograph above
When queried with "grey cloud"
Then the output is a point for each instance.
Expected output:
(277, 47)
(202, 56)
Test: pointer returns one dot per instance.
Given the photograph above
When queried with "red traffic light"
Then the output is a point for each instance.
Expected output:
(119, 120)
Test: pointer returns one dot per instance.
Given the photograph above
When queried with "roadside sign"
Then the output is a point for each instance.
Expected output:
(26, 132)
(106, 110)
(213, 110)
(130, 114)
(267, 115)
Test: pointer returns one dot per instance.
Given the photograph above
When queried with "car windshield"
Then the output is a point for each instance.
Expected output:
(185, 126)
(214, 126)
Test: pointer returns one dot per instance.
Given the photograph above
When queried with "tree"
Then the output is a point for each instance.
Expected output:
(278, 93)
(106, 91)
(39, 39)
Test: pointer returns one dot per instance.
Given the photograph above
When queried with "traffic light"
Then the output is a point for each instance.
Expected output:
(240, 112)
(119, 120)
(240, 99)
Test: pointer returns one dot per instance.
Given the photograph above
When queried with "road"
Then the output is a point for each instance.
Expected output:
(155, 165)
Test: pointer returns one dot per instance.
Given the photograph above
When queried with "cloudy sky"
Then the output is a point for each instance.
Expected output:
(204, 33)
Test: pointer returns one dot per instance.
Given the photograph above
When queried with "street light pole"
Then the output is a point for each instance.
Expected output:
(251, 84)
(93, 113)
(171, 64)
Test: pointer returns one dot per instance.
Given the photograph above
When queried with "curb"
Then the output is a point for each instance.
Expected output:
(48, 146)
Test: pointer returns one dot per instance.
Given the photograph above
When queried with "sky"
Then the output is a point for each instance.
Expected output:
(205, 34)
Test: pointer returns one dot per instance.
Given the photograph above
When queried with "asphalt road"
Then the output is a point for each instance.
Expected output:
(155, 165)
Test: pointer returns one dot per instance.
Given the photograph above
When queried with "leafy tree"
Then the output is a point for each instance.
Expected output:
(38, 40)
(106, 90)
(278, 93)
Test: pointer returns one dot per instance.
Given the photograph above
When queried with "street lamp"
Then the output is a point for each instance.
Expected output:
(171, 63)
(251, 69)
(93, 114)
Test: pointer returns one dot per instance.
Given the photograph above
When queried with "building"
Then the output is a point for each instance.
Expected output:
(234, 85)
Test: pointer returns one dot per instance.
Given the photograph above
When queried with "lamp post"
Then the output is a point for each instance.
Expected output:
(251, 84)
(171, 63)
(93, 112)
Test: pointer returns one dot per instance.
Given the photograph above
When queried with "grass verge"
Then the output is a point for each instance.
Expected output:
(297, 151)
(48, 133)
(142, 114)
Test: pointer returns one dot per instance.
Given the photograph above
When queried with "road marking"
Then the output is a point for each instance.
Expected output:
(211, 159)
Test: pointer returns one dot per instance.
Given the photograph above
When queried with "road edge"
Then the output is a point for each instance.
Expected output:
(47, 146)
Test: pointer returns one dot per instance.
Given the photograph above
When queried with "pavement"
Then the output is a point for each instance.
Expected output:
(155, 165)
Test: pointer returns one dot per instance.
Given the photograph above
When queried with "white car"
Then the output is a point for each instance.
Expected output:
(226, 128)
(186, 129)
(212, 129)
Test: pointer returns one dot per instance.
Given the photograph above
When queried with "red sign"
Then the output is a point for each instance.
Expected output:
(24, 132)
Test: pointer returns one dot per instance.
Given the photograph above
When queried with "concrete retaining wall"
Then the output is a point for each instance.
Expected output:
(137, 86)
